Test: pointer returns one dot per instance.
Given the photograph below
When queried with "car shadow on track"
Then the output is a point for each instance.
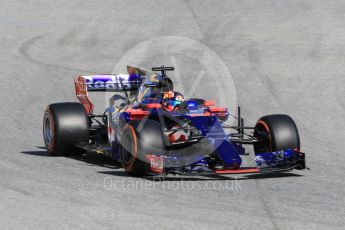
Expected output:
(210, 177)
(97, 159)
(91, 159)
(36, 153)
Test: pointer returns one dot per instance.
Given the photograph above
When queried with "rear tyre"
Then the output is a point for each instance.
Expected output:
(276, 132)
(65, 125)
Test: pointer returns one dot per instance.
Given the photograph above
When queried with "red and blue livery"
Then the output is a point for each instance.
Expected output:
(153, 130)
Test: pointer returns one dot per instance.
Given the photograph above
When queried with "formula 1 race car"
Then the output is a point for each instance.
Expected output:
(153, 130)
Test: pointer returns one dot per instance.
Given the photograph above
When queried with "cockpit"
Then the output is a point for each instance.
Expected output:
(153, 87)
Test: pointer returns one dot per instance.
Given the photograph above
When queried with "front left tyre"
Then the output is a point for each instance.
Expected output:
(65, 125)
(276, 132)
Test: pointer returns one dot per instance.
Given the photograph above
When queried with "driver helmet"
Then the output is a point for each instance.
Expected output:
(172, 99)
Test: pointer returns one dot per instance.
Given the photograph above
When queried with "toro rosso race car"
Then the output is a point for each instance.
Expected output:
(153, 130)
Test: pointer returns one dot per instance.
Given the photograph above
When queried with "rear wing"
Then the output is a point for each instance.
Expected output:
(106, 82)
(109, 82)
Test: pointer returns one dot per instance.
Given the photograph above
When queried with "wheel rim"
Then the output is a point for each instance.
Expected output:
(47, 130)
(265, 145)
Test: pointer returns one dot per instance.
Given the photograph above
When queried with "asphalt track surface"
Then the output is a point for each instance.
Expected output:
(284, 57)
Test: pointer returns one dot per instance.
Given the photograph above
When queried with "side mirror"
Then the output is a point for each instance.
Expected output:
(114, 98)
(118, 97)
